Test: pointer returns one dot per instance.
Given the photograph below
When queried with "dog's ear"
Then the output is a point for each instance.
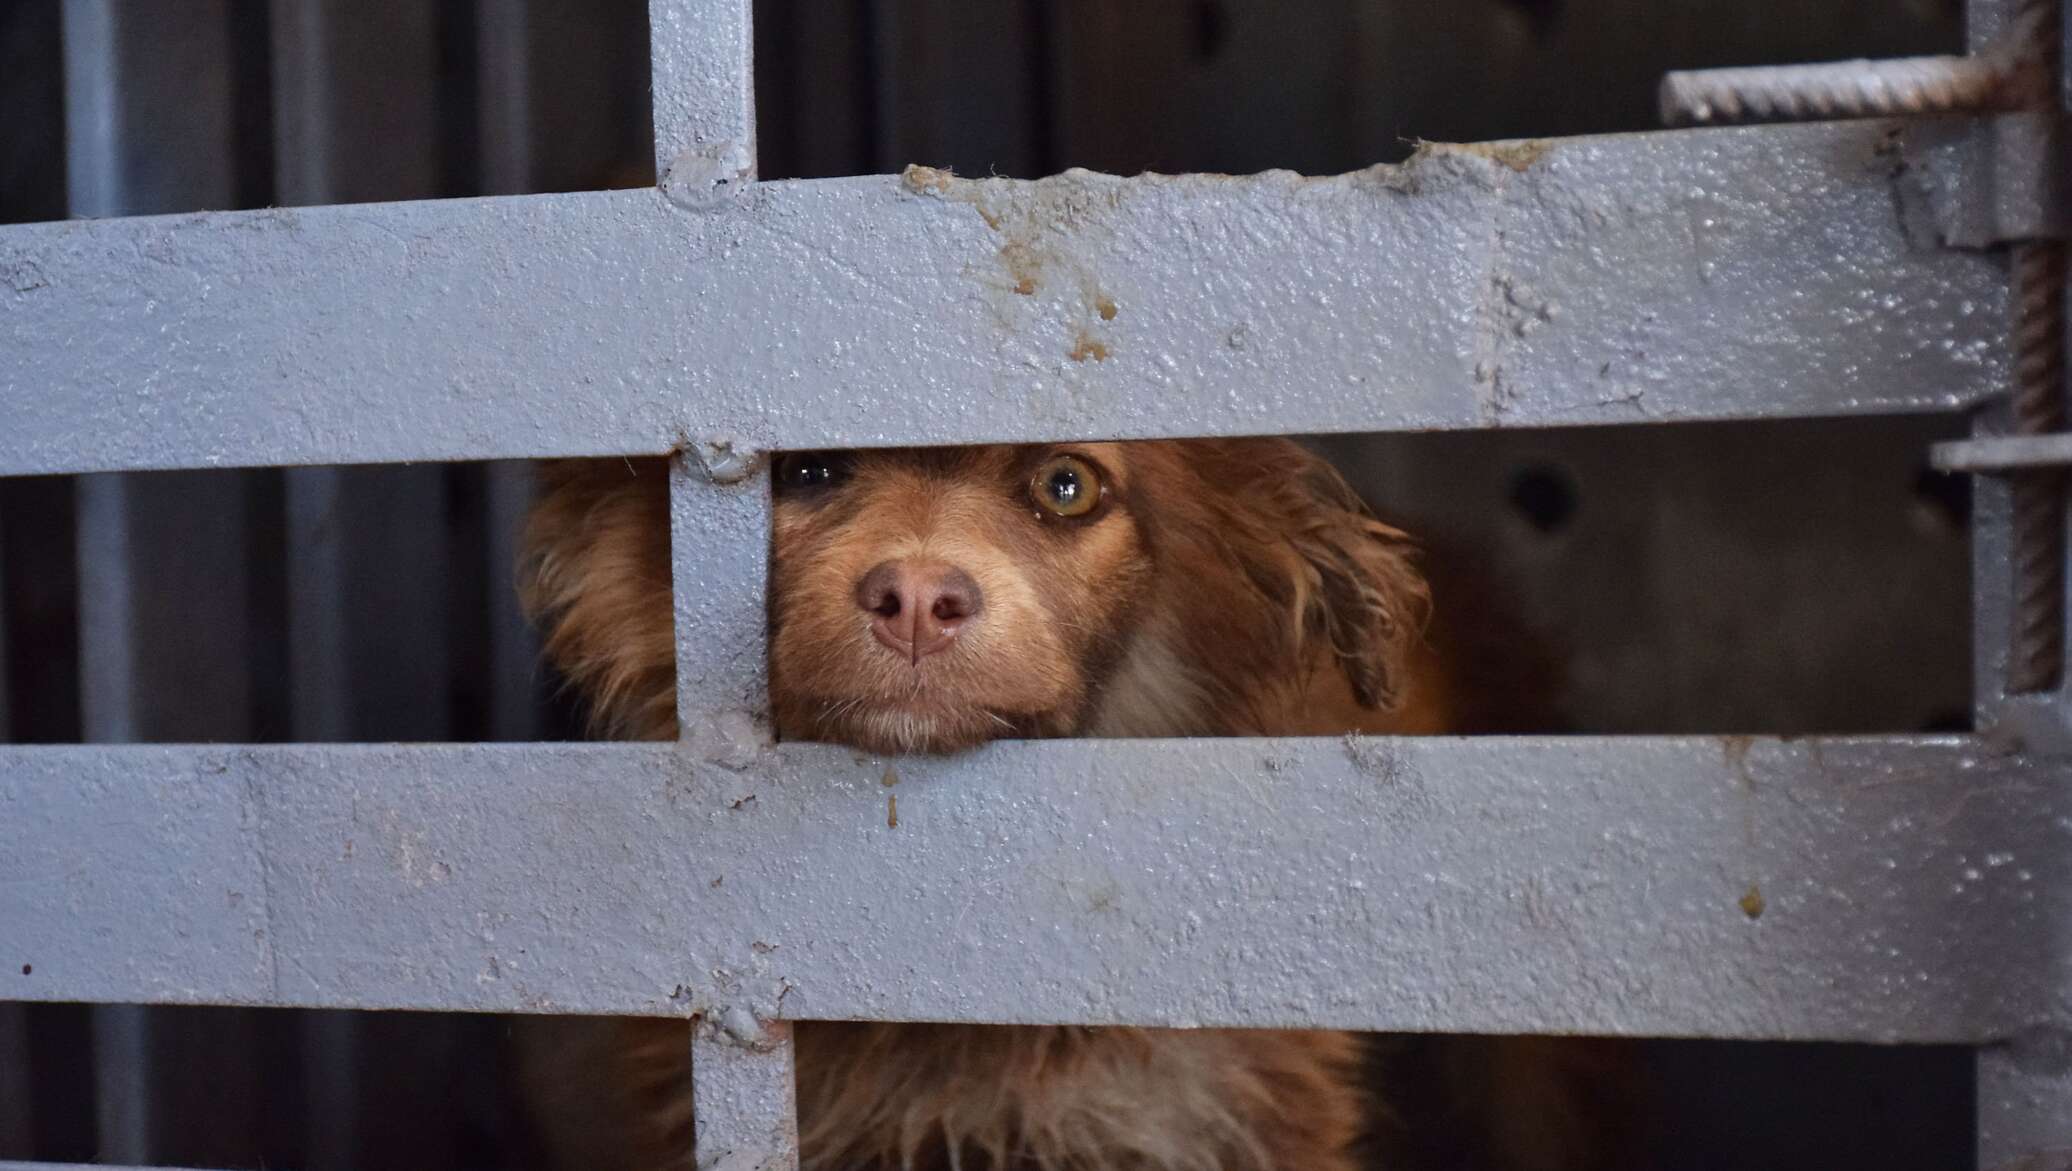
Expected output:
(595, 577)
(1339, 577)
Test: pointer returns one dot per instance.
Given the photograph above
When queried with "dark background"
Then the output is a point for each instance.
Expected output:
(1781, 578)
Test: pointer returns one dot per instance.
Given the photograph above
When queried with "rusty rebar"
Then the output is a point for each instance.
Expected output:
(2036, 635)
(1845, 89)
(2010, 74)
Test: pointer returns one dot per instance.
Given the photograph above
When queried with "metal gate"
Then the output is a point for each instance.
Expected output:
(1911, 888)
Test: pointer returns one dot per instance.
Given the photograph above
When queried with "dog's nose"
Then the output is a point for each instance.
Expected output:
(917, 608)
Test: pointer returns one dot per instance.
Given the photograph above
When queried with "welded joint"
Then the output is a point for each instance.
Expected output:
(737, 1026)
(744, 1095)
(707, 175)
(722, 460)
(1984, 183)
(734, 740)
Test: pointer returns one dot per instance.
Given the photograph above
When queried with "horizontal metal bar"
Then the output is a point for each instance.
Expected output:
(1888, 890)
(1906, 86)
(1754, 272)
(2003, 453)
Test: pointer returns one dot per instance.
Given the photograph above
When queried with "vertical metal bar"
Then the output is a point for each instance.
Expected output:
(150, 127)
(6, 712)
(149, 113)
(122, 1083)
(2024, 1088)
(330, 1052)
(514, 652)
(2036, 632)
(701, 54)
(318, 689)
(302, 152)
(17, 1123)
(719, 510)
(314, 546)
(93, 114)
(107, 613)
(744, 1093)
(719, 505)
(719, 516)
(344, 128)
(503, 56)
(504, 67)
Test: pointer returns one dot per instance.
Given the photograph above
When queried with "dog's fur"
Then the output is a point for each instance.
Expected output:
(1217, 587)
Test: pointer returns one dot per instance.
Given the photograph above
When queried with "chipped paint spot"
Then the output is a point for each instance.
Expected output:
(1520, 155)
(26, 277)
(1752, 903)
(1105, 307)
(891, 811)
(921, 180)
(1087, 347)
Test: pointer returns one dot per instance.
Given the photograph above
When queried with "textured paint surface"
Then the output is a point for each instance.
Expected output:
(745, 1088)
(1637, 278)
(701, 56)
(1914, 890)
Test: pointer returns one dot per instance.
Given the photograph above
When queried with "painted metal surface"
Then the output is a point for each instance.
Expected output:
(1883, 890)
(2024, 1087)
(719, 519)
(704, 112)
(1641, 278)
(746, 1094)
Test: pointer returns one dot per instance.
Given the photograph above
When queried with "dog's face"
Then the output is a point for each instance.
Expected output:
(929, 600)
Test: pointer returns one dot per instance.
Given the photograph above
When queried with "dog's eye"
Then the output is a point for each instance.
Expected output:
(1066, 486)
(804, 471)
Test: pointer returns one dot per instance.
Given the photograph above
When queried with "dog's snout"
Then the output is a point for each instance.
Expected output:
(917, 608)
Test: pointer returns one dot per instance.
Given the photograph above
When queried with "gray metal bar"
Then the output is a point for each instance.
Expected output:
(6, 709)
(1622, 279)
(1907, 889)
(504, 61)
(122, 1082)
(319, 688)
(148, 128)
(503, 56)
(702, 53)
(514, 648)
(2004, 453)
(148, 106)
(17, 1117)
(719, 517)
(745, 1093)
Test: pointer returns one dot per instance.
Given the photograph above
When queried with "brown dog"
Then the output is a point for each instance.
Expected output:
(930, 600)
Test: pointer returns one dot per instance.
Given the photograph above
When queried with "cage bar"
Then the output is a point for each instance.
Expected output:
(875, 311)
(704, 92)
(746, 1091)
(1905, 889)
(719, 513)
